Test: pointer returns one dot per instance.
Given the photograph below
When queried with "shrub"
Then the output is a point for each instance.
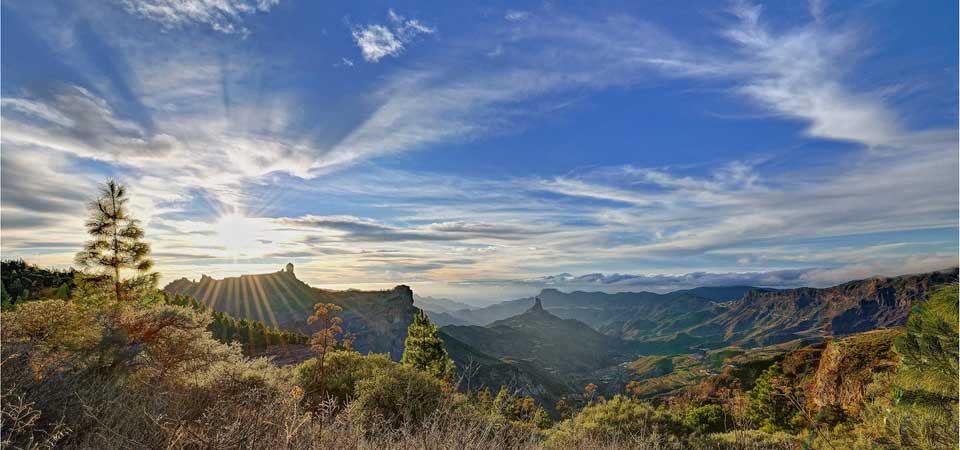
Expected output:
(49, 325)
(166, 343)
(343, 369)
(705, 419)
(617, 418)
(396, 396)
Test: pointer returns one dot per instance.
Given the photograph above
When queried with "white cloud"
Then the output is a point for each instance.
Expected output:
(379, 41)
(516, 16)
(790, 278)
(225, 16)
(799, 74)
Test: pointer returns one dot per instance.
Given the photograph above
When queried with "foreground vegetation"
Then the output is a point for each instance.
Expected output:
(119, 365)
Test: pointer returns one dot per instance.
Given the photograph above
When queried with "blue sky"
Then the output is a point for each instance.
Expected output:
(488, 150)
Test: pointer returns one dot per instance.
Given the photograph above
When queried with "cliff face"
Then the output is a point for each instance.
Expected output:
(479, 370)
(847, 366)
(378, 319)
(770, 317)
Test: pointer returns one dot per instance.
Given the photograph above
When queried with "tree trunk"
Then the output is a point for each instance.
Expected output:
(116, 245)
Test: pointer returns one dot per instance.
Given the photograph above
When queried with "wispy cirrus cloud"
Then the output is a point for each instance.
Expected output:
(366, 230)
(224, 16)
(73, 119)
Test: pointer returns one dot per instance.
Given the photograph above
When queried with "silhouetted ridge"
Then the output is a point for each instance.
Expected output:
(379, 319)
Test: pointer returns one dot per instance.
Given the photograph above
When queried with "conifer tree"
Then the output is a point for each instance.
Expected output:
(423, 348)
(116, 239)
(502, 401)
(6, 301)
(63, 292)
(930, 347)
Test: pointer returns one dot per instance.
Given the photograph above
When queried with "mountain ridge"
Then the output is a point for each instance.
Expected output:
(378, 319)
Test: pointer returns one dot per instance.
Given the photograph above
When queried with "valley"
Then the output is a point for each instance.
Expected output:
(551, 345)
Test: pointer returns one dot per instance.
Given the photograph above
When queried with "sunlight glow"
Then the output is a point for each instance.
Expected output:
(238, 234)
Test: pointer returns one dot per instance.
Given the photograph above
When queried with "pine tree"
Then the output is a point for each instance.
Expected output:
(929, 348)
(502, 401)
(63, 292)
(541, 419)
(484, 399)
(116, 243)
(770, 400)
(424, 349)
(6, 301)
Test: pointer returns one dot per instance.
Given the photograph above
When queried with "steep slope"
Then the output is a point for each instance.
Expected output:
(769, 317)
(559, 346)
(477, 370)
(378, 319)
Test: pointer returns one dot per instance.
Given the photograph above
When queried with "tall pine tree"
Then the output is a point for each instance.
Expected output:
(424, 349)
(116, 240)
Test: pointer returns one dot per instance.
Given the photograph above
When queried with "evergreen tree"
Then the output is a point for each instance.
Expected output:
(502, 401)
(116, 240)
(6, 301)
(773, 400)
(424, 349)
(63, 292)
(484, 399)
(541, 419)
(929, 349)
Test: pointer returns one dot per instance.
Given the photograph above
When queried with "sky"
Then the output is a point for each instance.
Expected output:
(484, 151)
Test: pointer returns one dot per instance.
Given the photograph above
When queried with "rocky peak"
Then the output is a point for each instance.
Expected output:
(537, 306)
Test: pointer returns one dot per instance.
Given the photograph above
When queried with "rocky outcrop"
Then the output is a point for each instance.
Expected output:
(378, 319)
(847, 366)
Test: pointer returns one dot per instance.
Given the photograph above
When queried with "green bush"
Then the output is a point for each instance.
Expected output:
(705, 419)
(343, 369)
(396, 396)
(614, 419)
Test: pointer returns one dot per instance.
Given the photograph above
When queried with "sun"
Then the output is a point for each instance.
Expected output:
(237, 234)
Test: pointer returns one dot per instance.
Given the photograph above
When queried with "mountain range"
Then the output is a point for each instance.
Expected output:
(550, 345)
